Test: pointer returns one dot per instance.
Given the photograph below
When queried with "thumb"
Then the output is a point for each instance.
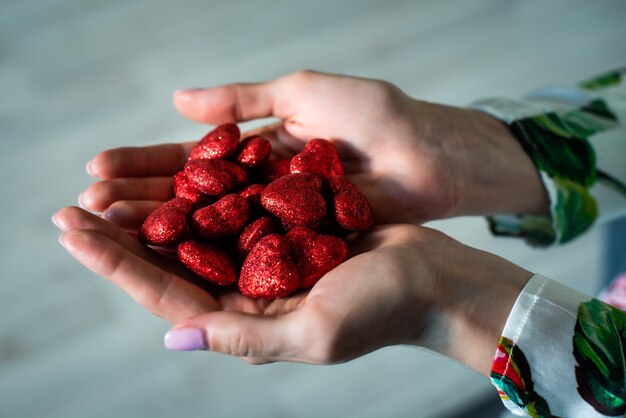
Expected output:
(238, 334)
(228, 103)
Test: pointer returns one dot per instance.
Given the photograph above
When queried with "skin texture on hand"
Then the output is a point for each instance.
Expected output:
(415, 161)
(404, 284)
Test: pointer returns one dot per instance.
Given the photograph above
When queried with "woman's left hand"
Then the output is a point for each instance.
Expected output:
(403, 284)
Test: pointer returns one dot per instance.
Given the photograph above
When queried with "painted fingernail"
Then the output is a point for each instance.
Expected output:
(185, 339)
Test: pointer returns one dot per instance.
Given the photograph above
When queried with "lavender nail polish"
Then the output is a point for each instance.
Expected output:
(185, 339)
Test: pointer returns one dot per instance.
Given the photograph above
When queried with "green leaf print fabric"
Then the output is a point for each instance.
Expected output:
(558, 142)
(600, 351)
(562, 353)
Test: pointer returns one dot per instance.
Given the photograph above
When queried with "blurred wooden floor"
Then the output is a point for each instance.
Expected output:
(80, 76)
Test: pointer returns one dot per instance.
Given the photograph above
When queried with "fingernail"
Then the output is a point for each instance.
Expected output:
(80, 201)
(89, 168)
(185, 339)
(108, 214)
(59, 224)
(184, 95)
(61, 240)
(189, 89)
(54, 221)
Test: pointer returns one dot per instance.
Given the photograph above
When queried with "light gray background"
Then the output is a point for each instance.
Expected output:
(80, 76)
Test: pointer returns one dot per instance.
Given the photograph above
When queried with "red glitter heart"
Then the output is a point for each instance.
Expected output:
(296, 199)
(252, 192)
(274, 169)
(253, 234)
(253, 152)
(221, 142)
(241, 176)
(207, 262)
(350, 208)
(315, 254)
(318, 157)
(179, 204)
(269, 272)
(224, 218)
(214, 177)
(293, 191)
(167, 224)
(184, 188)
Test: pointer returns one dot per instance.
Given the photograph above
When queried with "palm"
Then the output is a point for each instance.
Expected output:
(384, 151)
(350, 301)
(385, 154)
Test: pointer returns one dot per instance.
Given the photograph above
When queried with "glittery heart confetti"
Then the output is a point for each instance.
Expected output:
(208, 262)
(167, 224)
(253, 152)
(318, 157)
(270, 225)
(224, 218)
(350, 208)
(221, 142)
(269, 272)
(214, 177)
(253, 233)
(315, 254)
(274, 169)
(252, 192)
(296, 199)
(184, 188)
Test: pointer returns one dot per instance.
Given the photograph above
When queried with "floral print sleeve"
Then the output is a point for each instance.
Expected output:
(577, 140)
(562, 354)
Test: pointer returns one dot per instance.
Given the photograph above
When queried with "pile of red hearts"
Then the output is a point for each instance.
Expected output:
(271, 225)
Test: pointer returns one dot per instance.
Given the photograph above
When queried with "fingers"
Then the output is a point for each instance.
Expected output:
(283, 144)
(130, 214)
(258, 337)
(155, 160)
(102, 194)
(73, 218)
(164, 294)
(229, 103)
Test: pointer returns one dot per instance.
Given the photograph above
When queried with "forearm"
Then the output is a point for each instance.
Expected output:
(475, 297)
(575, 138)
(492, 173)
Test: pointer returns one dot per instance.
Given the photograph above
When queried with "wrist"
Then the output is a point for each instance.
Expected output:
(474, 299)
(492, 172)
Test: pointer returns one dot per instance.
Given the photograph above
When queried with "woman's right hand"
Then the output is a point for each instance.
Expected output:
(415, 161)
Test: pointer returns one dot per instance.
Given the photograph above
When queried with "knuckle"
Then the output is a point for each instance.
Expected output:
(303, 77)
(324, 344)
(69, 213)
(255, 361)
(240, 345)
(158, 299)
(110, 161)
(99, 192)
(111, 260)
(387, 94)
